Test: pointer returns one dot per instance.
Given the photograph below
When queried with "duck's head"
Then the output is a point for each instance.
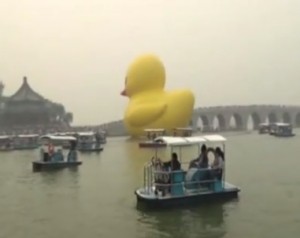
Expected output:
(145, 73)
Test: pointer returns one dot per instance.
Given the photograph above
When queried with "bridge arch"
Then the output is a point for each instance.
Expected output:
(202, 123)
(236, 121)
(219, 122)
(286, 117)
(255, 119)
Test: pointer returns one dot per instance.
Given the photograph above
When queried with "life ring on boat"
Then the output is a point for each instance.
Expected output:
(50, 149)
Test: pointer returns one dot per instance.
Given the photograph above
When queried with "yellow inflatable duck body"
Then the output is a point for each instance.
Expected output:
(150, 107)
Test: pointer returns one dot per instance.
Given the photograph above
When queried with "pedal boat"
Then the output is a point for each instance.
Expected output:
(186, 186)
(152, 134)
(87, 142)
(53, 158)
(6, 143)
(283, 130)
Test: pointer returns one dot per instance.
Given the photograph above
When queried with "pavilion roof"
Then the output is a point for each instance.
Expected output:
(26, 93)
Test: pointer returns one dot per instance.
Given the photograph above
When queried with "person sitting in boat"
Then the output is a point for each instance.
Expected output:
(198, 168)
(173, 164)
(218, 164)
(72, 155)
(202, 161)
(203, 158)
(98, 138)
(58, 156)
(50, 151)
(165, 177)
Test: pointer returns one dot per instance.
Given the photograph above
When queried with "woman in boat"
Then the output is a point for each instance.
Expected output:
(218, 164)
(51, 151)
(203, 158)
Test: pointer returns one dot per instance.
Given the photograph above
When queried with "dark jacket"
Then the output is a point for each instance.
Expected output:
(174, 164)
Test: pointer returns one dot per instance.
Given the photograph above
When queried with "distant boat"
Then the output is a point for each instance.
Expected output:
(52, 156)
(26, 142)
(151, 135)
(6, 143)
(282, 130)
(183, 131)
(88, 142)
(264, 128)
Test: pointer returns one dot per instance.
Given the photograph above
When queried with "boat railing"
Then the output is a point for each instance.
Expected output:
(155, 179)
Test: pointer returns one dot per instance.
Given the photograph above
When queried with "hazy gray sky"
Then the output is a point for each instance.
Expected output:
(77, 51)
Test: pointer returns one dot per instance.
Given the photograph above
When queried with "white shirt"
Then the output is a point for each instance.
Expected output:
(218, 163)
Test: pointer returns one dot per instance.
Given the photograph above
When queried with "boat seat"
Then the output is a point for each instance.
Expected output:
(193, 176)
(58, 156)
(177, 181)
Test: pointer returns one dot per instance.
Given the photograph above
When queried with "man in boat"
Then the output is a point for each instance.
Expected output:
(72, 155)
(174, 163)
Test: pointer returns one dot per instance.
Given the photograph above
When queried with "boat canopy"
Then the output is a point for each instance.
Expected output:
(184, 129)
(87, 133)
(28, 136)
(264, 124)
(154, 130)
(282, 124)
(214, 138)
(64, 133)
(58, 138)
(194, 140)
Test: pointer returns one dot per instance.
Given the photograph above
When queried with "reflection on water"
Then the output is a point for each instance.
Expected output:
(203, 222)
(68, 176)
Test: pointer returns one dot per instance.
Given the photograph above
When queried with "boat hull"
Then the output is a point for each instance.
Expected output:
(38, 166)
(90, 150)
(151, 145)
(152, 202)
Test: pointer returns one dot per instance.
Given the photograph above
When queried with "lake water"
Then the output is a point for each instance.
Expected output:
(98, 199)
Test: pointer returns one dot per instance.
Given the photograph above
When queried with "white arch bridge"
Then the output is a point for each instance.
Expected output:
(227, 118)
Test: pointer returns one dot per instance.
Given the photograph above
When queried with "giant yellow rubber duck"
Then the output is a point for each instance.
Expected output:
(150, 106)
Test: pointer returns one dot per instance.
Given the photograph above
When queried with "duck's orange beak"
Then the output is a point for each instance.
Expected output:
(123, 93)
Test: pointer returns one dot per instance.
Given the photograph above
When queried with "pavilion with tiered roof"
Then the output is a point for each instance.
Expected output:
(28, 108)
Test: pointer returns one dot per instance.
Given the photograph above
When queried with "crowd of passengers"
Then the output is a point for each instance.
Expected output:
(215, 170)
